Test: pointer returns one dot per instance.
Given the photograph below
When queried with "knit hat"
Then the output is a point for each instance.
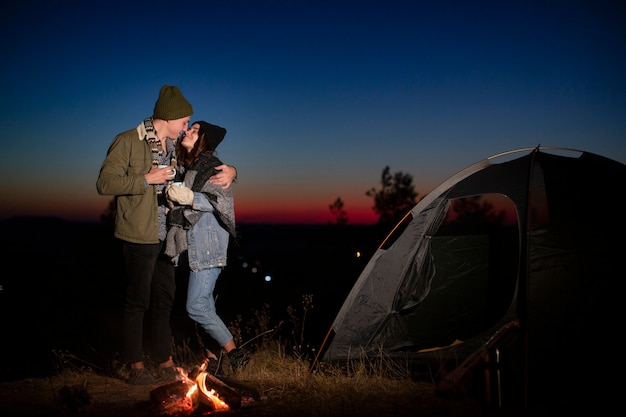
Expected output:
(214, 134)
(171, 104)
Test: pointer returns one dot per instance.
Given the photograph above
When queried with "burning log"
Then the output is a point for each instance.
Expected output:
(209, 383)
(175, 399)
(204, 394)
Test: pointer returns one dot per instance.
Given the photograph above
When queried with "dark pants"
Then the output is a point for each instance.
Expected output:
(151, 285)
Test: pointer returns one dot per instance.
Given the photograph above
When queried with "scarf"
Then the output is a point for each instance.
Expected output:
(147, 132)
(182, 218)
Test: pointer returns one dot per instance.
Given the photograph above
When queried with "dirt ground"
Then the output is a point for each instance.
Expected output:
(92, 395)
(73, 394)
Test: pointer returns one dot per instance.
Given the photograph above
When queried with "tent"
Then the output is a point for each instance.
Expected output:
(505, 277)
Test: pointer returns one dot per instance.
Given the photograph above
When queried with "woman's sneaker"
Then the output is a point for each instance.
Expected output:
(238, 359)
(213, 366)
(141, 376)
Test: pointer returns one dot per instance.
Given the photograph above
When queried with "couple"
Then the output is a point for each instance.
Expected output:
(199, 210)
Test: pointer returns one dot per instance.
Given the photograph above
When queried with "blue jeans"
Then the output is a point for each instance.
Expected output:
(151, 286)
(201, 304)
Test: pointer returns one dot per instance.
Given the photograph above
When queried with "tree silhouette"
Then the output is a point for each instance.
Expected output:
(337, 211)
(472, 215)
(395, 198)
(476, 210)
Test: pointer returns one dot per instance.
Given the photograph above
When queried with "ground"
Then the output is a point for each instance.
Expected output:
(92, 395)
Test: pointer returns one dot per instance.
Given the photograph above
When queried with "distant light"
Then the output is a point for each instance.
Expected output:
(244, 264)
(357, 254)
(254, 270)
(268, 278)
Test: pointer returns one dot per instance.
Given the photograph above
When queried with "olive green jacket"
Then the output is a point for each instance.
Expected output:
(122, 174)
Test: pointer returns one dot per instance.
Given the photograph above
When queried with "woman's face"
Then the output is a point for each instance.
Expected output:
(190, 138)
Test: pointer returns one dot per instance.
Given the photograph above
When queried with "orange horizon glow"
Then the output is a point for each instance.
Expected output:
(83, 207)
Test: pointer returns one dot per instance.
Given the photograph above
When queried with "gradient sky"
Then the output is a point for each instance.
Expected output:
(317, 96)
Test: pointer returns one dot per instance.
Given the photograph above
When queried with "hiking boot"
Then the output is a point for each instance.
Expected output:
(141, 376)
(238, 359)
(213, 366)
(168, 374)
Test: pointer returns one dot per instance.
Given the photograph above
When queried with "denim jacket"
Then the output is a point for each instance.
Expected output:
(207, 240)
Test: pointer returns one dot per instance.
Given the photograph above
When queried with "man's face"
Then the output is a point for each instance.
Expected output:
(176, 126)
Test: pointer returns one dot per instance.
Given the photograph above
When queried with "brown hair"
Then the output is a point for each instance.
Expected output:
(186, 158)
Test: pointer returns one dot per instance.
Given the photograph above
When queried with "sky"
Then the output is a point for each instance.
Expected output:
(318, 97)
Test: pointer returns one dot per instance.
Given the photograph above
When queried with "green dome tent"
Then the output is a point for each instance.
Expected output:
(505, 277)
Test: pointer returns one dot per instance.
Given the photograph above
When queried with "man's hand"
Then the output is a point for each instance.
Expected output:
(226, 176)
(159, 175)
(179, 194)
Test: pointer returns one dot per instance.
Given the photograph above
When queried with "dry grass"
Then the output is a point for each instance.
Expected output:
(288, 388)
(285, 385)
(279, 372)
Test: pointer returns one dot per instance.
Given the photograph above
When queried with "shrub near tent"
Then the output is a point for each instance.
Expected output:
(518, 304)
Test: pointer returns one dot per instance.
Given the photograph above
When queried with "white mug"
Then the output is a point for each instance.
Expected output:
(173, 170)
(177, 184)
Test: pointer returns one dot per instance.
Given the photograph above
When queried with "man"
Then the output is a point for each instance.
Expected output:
(138, 165)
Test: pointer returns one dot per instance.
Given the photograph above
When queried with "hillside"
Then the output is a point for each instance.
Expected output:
(65, 291)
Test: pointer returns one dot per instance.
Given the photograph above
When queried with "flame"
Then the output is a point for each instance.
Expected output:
(218, 404)
(192, 391)
(200, 383)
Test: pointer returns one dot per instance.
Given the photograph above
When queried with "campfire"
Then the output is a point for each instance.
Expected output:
(200, 395)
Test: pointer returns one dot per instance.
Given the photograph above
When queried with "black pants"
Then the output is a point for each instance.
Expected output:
(150, 291)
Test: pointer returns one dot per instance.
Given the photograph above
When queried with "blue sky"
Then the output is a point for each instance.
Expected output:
(317, 96)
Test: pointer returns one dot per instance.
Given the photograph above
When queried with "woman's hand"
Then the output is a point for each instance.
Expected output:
(179, 194)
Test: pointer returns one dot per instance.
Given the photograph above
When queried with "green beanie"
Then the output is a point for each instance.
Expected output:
(171, 104)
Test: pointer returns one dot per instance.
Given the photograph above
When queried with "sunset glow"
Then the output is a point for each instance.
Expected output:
(317, 97)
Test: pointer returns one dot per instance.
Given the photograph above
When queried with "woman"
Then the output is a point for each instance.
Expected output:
(201, 221)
